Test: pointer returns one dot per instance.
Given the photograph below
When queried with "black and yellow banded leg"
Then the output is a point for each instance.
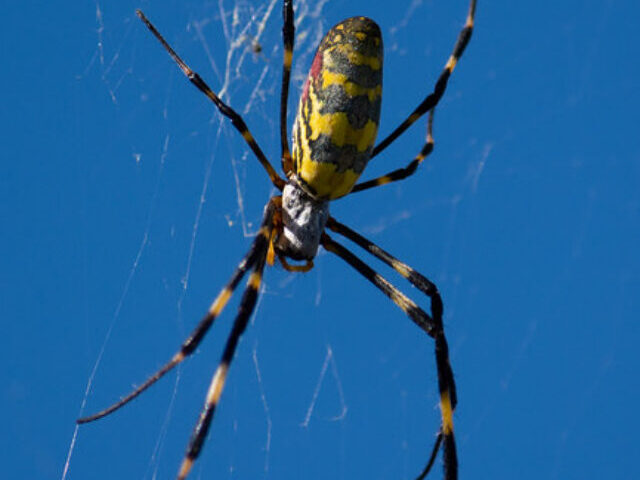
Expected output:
(432, 326)
(245, 310)
(258, 247)
(448, 401)
(410, 169)
(432, 457)
(225, 109)
(288, 34)
(434, 97)
(418, 280)
(446, 381)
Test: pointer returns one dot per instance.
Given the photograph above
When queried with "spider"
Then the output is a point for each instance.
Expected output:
(333, 139)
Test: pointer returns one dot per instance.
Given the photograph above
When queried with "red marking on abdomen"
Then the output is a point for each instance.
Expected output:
(314, 73)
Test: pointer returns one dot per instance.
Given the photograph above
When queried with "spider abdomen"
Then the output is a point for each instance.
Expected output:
(339, 110)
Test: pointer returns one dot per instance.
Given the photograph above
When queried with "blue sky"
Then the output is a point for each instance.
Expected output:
(127, 203)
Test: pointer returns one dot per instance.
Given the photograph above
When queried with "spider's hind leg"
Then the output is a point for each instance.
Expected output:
(431, 324)
(258, 249)
(247, 304)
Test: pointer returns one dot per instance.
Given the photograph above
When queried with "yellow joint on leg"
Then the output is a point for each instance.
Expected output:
(178, 357)
(215, 390)
(383, 180)
(220, 301)
(451, 63)
(212, 96)
(288, 57)
(247, 136)
(447, 413)
(271, 254)
(185, 468)
(402, 301)
(254, 280)
(401, 268)
(396, 295)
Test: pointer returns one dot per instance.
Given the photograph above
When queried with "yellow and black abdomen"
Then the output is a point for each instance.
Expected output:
(339, 111)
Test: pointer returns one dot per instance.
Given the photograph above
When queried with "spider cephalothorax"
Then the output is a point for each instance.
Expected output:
(303, 221)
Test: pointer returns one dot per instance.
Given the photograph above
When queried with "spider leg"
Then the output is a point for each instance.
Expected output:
(432, 99)
(258, 247)
(418, 280)
(225, 109)
(431, 325)
(432, 457)
(245, 310)
(288, 34)
(426, 286)
(410, 169)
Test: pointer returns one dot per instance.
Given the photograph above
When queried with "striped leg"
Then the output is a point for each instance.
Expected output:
(416, 278)
(402, 173)
(225, 109)
(288, 35)
(434, 97)
(258, 247)
(247, 305)
(431, 325)
(432, 457)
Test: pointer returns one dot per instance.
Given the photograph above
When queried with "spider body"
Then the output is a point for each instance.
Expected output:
(333, 133)
(333, 140)
(303, 221)
(339, 110)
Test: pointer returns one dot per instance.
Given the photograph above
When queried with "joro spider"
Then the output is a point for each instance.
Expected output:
(333, 139)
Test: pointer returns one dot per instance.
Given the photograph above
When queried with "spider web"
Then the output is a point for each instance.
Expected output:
(193, 194)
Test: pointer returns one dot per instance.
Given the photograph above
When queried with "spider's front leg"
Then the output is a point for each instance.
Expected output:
(237, 121)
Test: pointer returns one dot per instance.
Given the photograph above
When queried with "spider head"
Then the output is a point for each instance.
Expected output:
(303, 219)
